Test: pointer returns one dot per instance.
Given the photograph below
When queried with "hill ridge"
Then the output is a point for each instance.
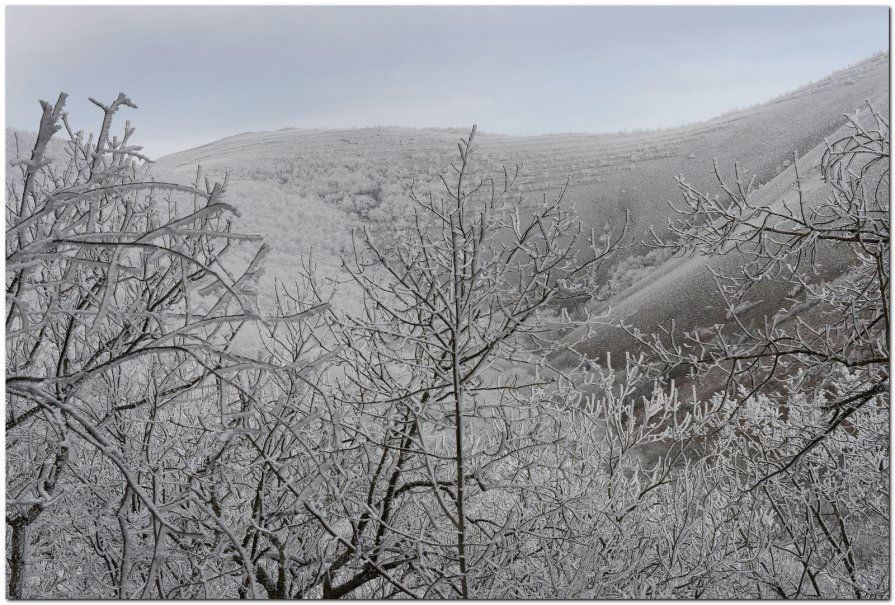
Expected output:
(805, 89)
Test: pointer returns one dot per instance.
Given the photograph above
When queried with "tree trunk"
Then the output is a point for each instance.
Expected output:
(18, 558)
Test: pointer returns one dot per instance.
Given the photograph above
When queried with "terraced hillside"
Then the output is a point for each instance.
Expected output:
(305, 189)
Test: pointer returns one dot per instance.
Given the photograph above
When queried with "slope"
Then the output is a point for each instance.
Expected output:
(305, 190)
(680, 295)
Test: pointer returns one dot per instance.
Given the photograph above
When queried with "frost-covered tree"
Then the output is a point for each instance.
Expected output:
(447, 404)
(803, 425)
(828, 325)
(124, 384)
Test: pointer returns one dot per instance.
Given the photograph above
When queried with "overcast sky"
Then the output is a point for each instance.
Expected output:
(202, 73)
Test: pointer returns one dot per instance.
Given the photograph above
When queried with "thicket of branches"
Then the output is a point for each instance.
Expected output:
(447, 440)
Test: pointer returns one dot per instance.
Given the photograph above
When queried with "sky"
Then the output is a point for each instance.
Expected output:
(202, 73)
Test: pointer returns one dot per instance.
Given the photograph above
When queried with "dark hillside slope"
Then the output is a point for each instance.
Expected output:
(681, 293)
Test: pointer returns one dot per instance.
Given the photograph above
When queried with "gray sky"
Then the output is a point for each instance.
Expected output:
(203, 73)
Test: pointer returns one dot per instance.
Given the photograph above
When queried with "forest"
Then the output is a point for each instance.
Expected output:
(435, 416)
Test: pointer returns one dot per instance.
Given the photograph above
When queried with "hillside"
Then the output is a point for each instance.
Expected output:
(681, 293)
(305, 189)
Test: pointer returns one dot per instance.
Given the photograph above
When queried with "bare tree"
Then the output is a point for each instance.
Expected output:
(826, 325)
(807, 384)
(122, 312)
(461, 311)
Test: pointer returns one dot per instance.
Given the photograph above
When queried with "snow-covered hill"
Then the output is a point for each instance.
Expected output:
(305, 189)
